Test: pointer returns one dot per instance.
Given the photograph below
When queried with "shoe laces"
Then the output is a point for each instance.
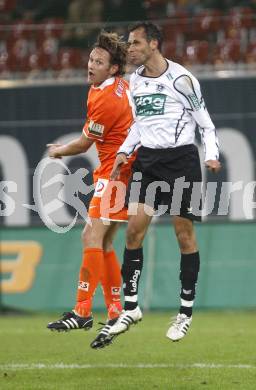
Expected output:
(122, 315)
(103, 324)
(66, 315)
(177, 321)
(108, 323)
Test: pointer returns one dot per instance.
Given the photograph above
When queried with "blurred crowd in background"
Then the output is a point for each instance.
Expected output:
(51, 38)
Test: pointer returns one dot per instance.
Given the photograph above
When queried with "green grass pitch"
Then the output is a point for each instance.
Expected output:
(218, 353)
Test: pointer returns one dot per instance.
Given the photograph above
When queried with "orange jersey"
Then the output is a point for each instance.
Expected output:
(109, 116)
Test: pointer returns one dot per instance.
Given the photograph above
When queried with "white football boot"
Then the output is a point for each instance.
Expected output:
(179, 327)
(126, 318)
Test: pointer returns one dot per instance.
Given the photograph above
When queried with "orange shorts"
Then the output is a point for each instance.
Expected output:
(108, 199)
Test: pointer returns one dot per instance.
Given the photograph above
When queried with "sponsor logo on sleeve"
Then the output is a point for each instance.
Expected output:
(95, 128)
(194, 101)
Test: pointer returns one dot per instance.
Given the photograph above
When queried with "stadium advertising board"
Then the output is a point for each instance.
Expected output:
(35, 116)
(40, 268)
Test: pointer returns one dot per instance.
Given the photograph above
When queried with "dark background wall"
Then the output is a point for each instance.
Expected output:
(37, 115)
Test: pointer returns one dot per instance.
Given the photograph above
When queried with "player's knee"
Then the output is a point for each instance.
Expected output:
(134, 237)
(85, 239)
(186, 241)
(91, 239)
(107, 244)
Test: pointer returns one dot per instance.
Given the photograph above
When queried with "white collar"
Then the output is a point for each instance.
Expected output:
(105, 83)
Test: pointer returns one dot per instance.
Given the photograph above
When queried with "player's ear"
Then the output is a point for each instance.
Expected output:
(114, 69)
(154, 44)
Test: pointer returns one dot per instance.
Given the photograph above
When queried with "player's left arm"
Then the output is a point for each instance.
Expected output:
(74, 147)
(191, 96)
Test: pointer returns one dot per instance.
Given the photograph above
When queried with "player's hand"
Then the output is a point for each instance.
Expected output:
(213, 165)
(121, 159)
(54, 150)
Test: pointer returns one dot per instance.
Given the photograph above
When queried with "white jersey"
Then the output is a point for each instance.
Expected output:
(167, 109)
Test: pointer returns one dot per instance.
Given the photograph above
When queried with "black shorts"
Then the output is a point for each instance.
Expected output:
(168, 180)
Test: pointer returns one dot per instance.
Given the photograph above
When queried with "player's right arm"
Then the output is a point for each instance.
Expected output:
(131, 142)
(77, 146)
(121, 159)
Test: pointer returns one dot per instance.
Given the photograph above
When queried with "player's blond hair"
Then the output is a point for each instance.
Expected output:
(116, 47)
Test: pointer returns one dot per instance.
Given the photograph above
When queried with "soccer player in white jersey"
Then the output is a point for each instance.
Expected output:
(168, 106)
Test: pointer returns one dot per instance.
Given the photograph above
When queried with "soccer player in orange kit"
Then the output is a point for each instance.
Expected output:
(109, 117)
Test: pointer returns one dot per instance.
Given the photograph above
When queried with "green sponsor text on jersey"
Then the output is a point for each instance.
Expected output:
(148, 105)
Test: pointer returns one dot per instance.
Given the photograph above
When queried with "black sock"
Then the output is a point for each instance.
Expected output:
(189, 268)
(131, 271)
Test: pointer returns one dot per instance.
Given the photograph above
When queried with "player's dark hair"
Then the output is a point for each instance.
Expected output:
(116, 47)
(151, 30)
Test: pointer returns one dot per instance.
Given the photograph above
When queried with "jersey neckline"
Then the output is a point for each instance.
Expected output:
(153, 77)
(105, 83)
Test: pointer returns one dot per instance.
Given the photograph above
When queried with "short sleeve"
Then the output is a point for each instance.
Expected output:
(102, 117)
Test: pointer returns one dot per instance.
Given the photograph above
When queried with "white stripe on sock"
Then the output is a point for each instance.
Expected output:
(132, 298)
(186, 303)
